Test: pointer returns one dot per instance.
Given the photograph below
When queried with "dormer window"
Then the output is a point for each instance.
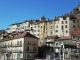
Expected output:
(18, 25)
(64, 18)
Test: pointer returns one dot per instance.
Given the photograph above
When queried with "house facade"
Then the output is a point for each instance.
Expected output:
(20, 45)
(49, 28)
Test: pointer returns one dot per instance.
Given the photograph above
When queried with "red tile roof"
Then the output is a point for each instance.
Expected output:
(20, 35)
(75, 32)
(51, 36)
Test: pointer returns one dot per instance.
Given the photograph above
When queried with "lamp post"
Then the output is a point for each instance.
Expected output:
(63, 49)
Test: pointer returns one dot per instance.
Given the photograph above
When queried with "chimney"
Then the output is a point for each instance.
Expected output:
(47, 19)
(31, 19)
(55, 17)
(24, 20)
(62, 15)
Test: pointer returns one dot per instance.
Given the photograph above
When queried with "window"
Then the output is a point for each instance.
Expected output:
(18, 25)
(65, 26)
(34, 42)
(27, 48)
(51, 27)
(64, 18)
(41, 26)
(34, 48)
(28, 42)
(17, 42)
(11, 43)
(62, 22)
(73, 26)
(65, 21)
(51, 32)
(57, 26)
(20, 42)
(62, 26)
(38, 34)
(25, 26)
(17, 28)
(35, 27)
(46, 32)
(66, 31)
(56, 30)
(35, 30)
(46, 27)
(38, 30)
(46, 23)
(38, 25)
(73, 21)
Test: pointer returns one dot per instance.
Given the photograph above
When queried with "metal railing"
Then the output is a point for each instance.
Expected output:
(16, 45)
(28, 43)
(33, 44)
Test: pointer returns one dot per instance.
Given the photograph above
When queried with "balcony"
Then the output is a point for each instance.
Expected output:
(28, 44)
(16, 45)
(16, 51)
(31, 51)
(33, 44)
(9, 45)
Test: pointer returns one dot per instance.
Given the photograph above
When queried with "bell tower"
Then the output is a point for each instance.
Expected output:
(79, 6)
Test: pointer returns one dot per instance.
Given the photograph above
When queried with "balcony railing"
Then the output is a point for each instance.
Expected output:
(16, 51)
(33, 44)
(31, 50)
(16, 45)
(28, 43)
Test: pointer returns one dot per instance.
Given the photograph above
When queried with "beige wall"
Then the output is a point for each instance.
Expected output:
(49, 30)
(35, 31)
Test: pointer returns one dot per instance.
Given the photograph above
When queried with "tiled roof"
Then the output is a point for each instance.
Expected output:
(75, 32)
(65, 37)
(20, 35)
(51, 36)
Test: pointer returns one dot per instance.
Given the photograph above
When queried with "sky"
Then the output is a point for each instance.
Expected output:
(12, 11)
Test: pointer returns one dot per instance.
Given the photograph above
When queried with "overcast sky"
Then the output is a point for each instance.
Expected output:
(12, 11)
